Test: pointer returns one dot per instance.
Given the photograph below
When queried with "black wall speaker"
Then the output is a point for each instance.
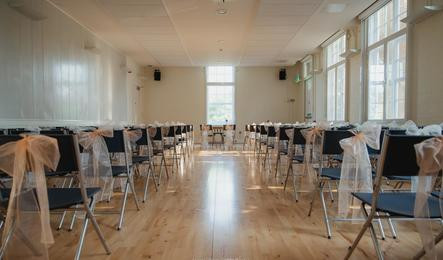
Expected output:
(157, 75)
(282, 74)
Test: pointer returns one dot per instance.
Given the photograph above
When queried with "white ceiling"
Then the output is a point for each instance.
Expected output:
(190, 33)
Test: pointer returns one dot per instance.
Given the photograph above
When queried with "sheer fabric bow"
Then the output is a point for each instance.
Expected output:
(356, 169)
(430, 160)
(312, 150)
(28, 209)
(96, 162)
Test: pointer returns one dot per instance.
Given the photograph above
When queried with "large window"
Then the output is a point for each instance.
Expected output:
(386, 58)
(336, 83)
(220, 95)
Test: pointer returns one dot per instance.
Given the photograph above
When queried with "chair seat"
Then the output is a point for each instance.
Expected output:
(118, 170)
(59, 198)
(399, 204)
(168, 146)
(337, 157)
(298, 158)
(331, 173)
(140, 159)
(400, 178)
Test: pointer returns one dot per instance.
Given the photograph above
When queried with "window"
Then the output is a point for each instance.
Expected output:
(386, 56)
(220, 95)
(309, 88)
(336, 79)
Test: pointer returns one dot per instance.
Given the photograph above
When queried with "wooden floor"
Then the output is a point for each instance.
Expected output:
(222, 205)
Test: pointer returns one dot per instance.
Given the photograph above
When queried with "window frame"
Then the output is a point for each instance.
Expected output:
(208, 83)
(366, 49)
(334, 67)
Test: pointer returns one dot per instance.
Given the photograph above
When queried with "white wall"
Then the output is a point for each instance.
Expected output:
(181, 96)
(427, 71)
(48, 77)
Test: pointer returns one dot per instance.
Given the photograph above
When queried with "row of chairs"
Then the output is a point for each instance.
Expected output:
(214, 132)
(394, 163)
(72, 195)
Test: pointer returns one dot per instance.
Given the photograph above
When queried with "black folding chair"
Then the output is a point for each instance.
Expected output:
(159, 149)
(117, 145)
(398, 158)
(62, 199)
(269, 143)
(330, 148)
(246, 138)
(297, 140)
(144, 156)
(282, 146)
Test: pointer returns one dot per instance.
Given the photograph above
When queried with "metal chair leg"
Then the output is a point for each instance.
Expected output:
(330, 191)
(149, 173)
(122, 210)
(373, 236)
(277, 162)
(392, 228)
(90, 216)
(134, 194)
(111, 189)
(287, 174)
(380, 226)
(64, 212)
(325, 213)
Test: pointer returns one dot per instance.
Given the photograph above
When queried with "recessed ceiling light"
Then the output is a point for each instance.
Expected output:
(221, 11)
(335, 8)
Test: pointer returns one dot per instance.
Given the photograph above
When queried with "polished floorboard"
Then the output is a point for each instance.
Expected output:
(225, 205)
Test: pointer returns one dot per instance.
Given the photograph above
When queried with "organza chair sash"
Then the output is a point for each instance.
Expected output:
(96, 163)
(229, 135)
(430, 160)
(205, 134)
(356, 169)
(133, 135)
(311, 153)
(28, 212)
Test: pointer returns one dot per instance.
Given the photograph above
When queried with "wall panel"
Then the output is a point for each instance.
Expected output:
(47, 76)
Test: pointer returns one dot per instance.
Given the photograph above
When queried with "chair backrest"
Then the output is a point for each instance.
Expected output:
(246, 128)
(171, 131)
(52, 132)
(271, 131)
(257, 129)
(263, 130)
(377, 152)
(346, 127)
(331, 141)
(178, 130)
(398, 155)
(397, 132)
(17, 131)
(2, 131)
(298, 139)
(116, 144)
(68, 148)
(282, 136)
(158, 134)
(4, 139)
(144, 138)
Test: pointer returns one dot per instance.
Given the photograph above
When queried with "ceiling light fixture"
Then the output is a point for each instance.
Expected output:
(433, 6)
(335, 8)
(221, 11)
